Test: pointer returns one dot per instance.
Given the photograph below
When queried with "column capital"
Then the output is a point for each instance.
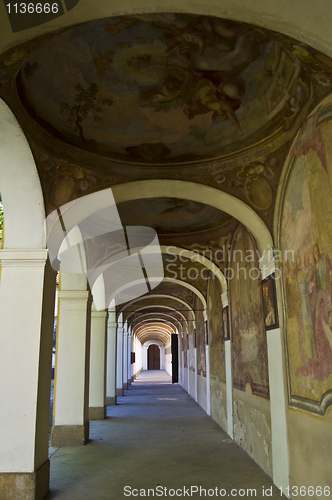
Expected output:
(99, 314)
(205, 315)
(26, 257)
(224, 298)
(112, 324)
(73, 295)
(267, 263)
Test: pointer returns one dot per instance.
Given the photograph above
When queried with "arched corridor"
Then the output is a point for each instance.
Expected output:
(156, 436)
(166, 247)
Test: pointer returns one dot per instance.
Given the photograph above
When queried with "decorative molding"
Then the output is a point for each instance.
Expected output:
(99, 314)
(112, 324)
(267, 263)
(256, 389)
(76, 295)
(311, 406)
(23, 257)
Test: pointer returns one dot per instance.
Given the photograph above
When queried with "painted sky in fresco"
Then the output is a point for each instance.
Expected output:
(159, 88)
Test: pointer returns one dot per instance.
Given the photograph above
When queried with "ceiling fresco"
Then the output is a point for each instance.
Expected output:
(165, 88)
(171, 215)
(164, 96)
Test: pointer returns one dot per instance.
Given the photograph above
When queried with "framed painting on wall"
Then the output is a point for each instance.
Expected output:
(206, 340)
(225, 323)
(269, 304)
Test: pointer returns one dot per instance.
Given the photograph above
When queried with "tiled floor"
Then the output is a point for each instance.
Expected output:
(156, 436)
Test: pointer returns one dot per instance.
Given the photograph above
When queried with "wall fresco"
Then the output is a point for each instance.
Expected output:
(249, 349)
(215, 330)
(200, 338)
(306, 236)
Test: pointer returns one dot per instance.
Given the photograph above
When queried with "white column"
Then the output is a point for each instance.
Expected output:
(188, 372)
(133, 365)
(229, 387)
(129, 375)
(137, 364)
(139, 360)
(111, 367)
(71, 384)
(229, 376)
(207, 362)
(145, 357)
(97, 386)
(125, 358)
(27, 295)
(278, 396)
(119, 360)
(208, 396)
(196, 376)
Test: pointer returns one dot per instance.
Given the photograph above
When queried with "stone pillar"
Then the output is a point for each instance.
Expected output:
(97, 386)
(119, 361)
(111, 361)
(188, 371)
(278, 395)
(229, 376)
(129, 365)
(207, 363)
(27, 295)
(125, 358)
(71, 383)
(196, 375)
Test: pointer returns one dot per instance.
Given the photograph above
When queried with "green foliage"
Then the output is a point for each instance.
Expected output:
(86, 102)
(198, 133)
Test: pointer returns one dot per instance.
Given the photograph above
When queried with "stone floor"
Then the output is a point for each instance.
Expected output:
(157, 436)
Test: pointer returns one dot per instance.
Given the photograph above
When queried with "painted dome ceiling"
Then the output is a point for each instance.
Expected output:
(162, 88)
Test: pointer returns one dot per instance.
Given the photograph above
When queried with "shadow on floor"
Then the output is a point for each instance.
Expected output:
(156, 438)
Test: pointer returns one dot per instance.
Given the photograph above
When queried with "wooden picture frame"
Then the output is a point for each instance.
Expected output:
(269, 304)
(225, 323)
(206, 338)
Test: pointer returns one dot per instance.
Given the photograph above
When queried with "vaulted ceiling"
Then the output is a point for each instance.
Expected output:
(165, 96)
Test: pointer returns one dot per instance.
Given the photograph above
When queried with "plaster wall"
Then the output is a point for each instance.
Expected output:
(309, 434)
(138, 365)
(201, 392)
(310, 444)
(185, 378)
(219, 402)
(168, 360)
(192, 383)
(20, 181)
(252, 426)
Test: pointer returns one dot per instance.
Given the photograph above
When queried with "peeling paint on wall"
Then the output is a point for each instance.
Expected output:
(252, 432)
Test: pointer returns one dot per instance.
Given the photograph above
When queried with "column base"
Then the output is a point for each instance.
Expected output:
(110, 400)
(27, 485)
(119, 392)
(69, 435)
(97, 413)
